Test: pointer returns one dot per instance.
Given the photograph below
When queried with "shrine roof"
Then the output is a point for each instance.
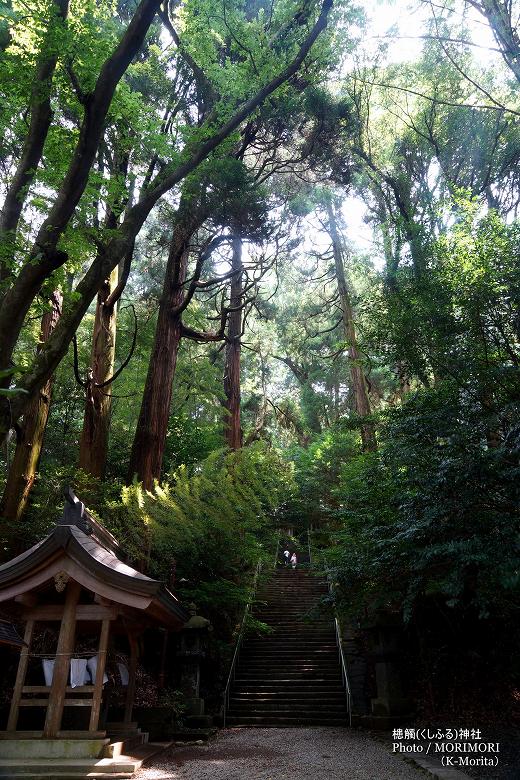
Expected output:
(80, 545)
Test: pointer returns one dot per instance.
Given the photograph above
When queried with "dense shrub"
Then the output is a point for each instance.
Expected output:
(211, 522)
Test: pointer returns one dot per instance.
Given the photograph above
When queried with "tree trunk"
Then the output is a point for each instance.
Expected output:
(152, 425)
(40, 121)
(22, 472)
(261, 415)
(232, 426)
(357, 375)
(93, 448)
(499, 16)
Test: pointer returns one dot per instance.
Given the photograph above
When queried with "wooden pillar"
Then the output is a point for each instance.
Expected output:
(100, 671)
(62, 662)
(20, 676)
(130, 691)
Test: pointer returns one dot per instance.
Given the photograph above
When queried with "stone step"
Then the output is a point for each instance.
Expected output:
(319, 690)
(286, 708)
(301, 591)
(309, 627)
(306, 660)
(329, 656)
(303, 630)
(281, 646)
(295, 620)
(277, 674)
(53, 775)
(50, 749)
(287, 602)
(296, 667)
(290, 583)
(288, 579)
(318, 653)
(305, 587)
(328, 697)
(302, 617)
(290, 660)
(272, 720)
(281, 650)
(296, 592)
(279, 642)
(315, 656)
(290, 676)
(280, 671)
(68, 767)
(290, 602)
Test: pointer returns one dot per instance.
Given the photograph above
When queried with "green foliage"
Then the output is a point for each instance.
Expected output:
(213, 511)
(459, 320)
(212, 521)
(432, 517)
(435, 513)
(317, 469)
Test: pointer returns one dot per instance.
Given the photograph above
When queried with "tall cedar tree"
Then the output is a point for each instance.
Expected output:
(232, 421)
(357, 375)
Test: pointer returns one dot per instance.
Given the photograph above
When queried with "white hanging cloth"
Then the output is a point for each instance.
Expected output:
(78, 672)
(48, 670)
(92, 670)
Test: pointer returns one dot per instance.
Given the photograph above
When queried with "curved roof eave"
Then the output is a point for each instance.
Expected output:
(89, 554)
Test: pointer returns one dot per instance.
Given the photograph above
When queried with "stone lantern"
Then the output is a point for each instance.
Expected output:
(386, 640)
(192, 649)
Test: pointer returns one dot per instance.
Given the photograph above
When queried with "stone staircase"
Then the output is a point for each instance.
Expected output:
(292, 676)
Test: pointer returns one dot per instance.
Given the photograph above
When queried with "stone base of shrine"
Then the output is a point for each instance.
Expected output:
(78, 759)
(52, 748)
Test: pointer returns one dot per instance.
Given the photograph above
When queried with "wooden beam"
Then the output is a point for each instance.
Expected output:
(66, 702)
(62, 663)
(130, 691)
(27, 599)
(83, 612)
(20, 676)
(47, 689)
(100, 671)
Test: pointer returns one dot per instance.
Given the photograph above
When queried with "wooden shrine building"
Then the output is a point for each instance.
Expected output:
(75, 583)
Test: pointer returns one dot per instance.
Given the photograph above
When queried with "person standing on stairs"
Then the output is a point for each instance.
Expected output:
(294, 560)
(286, 556)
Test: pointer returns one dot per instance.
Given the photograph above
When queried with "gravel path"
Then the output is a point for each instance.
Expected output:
(283, 754)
